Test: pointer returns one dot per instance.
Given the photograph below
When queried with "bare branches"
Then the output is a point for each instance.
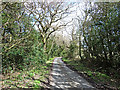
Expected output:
(45, 17)
(48, 16)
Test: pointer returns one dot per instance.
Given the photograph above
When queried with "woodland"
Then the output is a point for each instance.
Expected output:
(34, 33)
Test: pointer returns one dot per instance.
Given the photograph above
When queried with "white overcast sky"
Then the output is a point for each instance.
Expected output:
(77, 9)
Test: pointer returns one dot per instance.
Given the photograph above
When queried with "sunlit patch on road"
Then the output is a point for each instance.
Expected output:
(64, 78)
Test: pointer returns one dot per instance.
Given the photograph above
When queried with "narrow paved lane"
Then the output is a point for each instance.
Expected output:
(64, 78)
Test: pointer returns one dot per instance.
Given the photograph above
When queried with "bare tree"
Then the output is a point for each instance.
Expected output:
(48, 17)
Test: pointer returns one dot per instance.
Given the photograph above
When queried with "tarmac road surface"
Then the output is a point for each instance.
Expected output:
(64, 78)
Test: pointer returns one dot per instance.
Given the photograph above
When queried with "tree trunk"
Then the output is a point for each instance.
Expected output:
(44, 44)
(80, 46)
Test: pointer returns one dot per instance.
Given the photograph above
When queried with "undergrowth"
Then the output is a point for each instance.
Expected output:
(98, 77)
(32, 78)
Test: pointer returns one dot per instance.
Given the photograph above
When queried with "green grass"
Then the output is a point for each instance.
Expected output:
(98, 77)
(28, 78)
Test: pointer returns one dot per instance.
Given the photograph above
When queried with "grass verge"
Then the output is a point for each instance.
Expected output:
(97, 79)
(37, 76)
